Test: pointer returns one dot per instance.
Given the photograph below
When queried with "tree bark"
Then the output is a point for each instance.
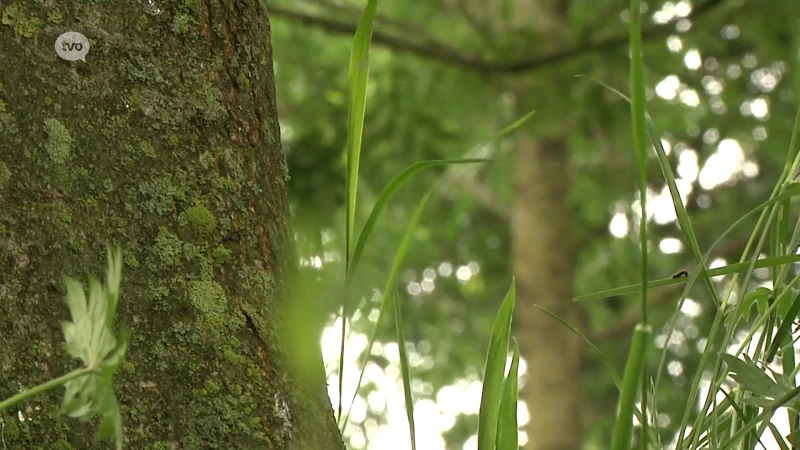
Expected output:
(544, 266)
(544, 251)
(164, 141)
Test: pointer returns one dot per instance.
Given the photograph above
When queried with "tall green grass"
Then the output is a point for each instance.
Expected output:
(739, 421)
(746, 412)
(497, 417)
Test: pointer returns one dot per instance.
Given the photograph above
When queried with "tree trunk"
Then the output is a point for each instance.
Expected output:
(544, 266)
(545, 255)
(166, 142)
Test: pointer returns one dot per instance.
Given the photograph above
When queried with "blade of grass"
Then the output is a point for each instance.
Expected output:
(507, 426)
(405, 176)
(386, 195)
(711, 273)
(357, 106)
(609, 368)
(404, 367)
(638, 116)
(634, 368)
(669, 177)
(351, 261)
(765, 414)
(402, 249)
(359, 75)
(639, 136)
(494, 372)
(784, 332)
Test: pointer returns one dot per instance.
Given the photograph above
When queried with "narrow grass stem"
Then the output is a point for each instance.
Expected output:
(46, 386)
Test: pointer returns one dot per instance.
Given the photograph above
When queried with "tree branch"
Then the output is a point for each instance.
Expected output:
(442, 52)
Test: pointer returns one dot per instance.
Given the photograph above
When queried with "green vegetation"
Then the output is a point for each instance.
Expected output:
(669, 321)
(642, 382)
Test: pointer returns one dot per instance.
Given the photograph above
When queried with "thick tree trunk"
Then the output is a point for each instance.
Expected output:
(165, 141)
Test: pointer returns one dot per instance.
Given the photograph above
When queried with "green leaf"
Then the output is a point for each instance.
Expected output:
(753, 379)
(757, 297)
(785, 302)
(794, 438)
(494, 372)
(89, 337)
(386, 195)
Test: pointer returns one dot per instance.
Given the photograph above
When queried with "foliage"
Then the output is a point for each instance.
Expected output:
(491, 403)
(709, 64)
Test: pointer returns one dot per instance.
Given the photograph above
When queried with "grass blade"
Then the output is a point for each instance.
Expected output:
(386, 195)
(404, 368)
(507, 427)
(765, 415)
(357, 106)
(784, 333)
(771, 261)
(405, 176)
(634, 369)
(396, 264)
(609, 368)
(494, 372)
(359, 74)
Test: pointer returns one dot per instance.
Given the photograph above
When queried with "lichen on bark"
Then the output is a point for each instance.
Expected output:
(164, 141)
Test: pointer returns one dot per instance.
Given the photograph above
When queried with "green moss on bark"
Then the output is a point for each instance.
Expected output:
(5, 174)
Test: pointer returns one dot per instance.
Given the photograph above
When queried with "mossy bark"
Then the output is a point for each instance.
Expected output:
(165, 141)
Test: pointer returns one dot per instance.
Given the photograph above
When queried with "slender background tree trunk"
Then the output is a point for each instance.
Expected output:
(544, 264)
(545, 254)
(165, 141)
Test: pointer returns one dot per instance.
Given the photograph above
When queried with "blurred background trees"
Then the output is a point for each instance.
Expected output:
(447, 74)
